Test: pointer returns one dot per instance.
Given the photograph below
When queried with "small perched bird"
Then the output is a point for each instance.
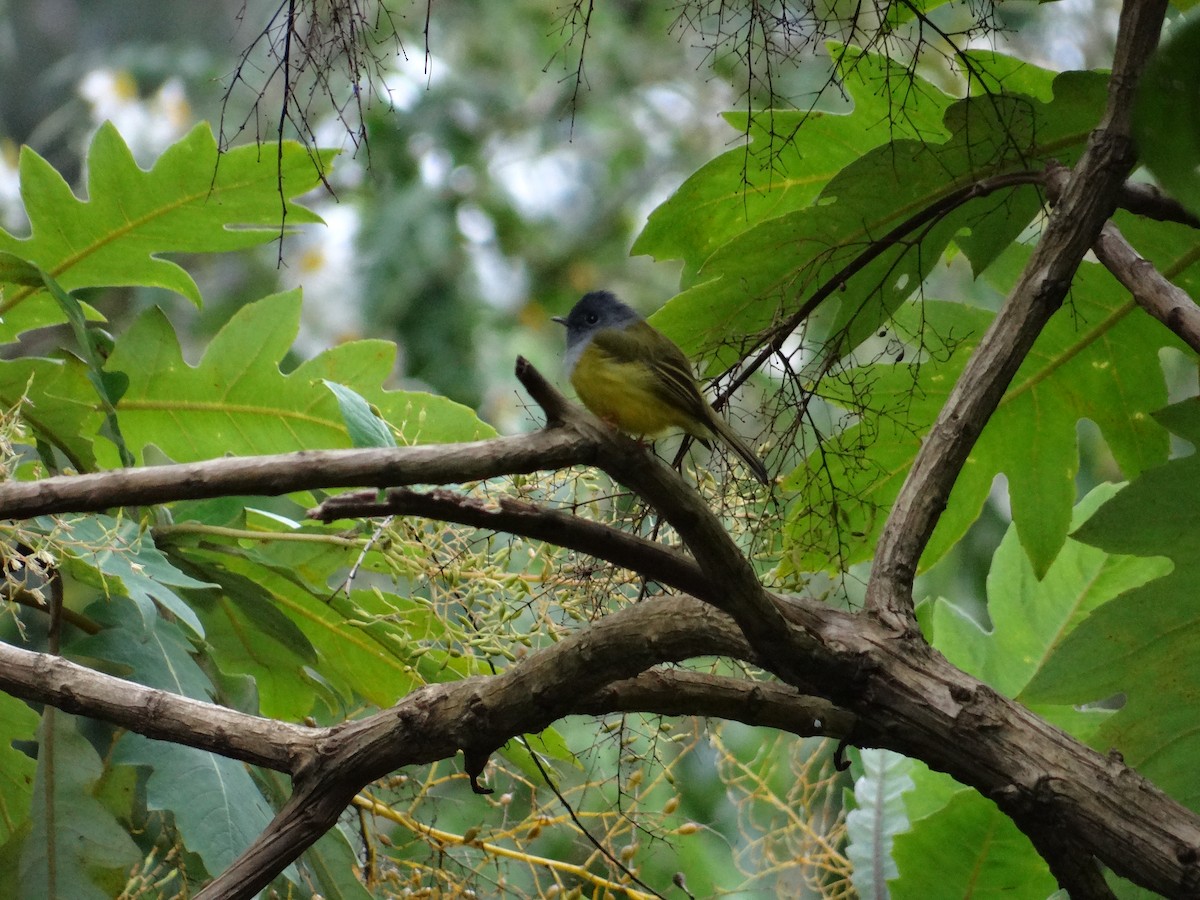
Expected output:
(634, 377)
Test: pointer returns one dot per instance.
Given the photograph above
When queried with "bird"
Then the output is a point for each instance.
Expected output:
(635, 378)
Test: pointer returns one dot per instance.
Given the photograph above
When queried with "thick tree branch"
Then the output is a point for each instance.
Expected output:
(1075, 869)
(677, 692)
(688, 630)
(545, 450)
(905, 697)
(50, 679)
(1075, 222)
(1148, 201)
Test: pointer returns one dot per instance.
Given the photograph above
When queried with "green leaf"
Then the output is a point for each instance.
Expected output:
(879, 815)
(1031, 617)
(17, 723)
(968, 848)
(109, 385)
(247, 635)
(18, 271)
(85, 839)
(215, 804)
(193, 200)
(1097, 359)
(365, 428)
(122, 559)
(1166, 115)
(769, 270)
(10, 860)
(237, 401)
(57, 402)
(790, 156)
(370, 659)
(1142, 645)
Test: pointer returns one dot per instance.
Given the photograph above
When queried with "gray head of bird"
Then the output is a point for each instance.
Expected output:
(595, 311)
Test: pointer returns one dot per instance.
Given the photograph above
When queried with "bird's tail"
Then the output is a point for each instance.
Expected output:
(721, 427)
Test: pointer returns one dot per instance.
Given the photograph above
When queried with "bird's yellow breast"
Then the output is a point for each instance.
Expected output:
(623, 394)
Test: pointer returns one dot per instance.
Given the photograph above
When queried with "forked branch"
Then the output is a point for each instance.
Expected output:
(1076, 221)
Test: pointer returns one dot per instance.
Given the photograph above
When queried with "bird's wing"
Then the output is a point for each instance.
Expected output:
(673, 382)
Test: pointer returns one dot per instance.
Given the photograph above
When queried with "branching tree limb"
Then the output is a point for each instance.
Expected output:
(654, 561)
(1152, 291)
(1087, 201)
(879, 688)
(871, 678)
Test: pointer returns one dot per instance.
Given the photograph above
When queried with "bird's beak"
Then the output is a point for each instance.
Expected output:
(559, 319)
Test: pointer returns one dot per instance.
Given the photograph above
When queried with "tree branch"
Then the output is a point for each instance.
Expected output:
(476, 715)
(285, 473)
(678, 692)
(1153, 292)
(1169, 304)
(1088, 200)
(45, 678)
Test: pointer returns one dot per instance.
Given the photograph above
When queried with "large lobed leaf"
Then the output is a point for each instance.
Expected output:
(1096, 359)
(193, 200)
(1141, 646)
(766, 267)
(238, 401)
(788, 159)
(215, 803)
(971, 849)
(1031, 617)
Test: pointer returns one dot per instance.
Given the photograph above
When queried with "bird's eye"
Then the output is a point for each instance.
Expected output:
(592, 318)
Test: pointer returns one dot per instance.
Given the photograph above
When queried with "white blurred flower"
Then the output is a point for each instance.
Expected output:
(408, 76)
(323, 261)
(12, 210)
(542, 184)
(148, 125)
